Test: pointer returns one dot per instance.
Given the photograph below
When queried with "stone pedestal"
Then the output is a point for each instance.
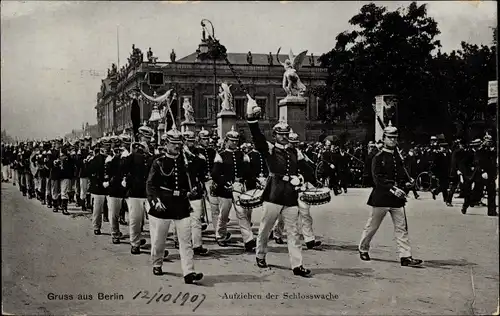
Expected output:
(225, 121)
(292, 110)
(190, 126)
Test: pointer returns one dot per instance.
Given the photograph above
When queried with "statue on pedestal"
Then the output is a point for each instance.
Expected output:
(226, 97)
(172, 56)
(188, 111)
(291, 81)
(249, 57)
(311, 60)
(270, 59)
(150, 55)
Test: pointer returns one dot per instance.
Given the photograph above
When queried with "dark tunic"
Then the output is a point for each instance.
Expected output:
(168, 182)
(387, 172)
(96, 174)
(113, 174)
(230, 167)
(283, 163)
(135, 171)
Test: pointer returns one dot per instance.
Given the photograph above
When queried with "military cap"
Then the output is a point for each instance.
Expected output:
(487, 138)
(281, 128)
(232, 134)
(293, 137)
(475, 142)
(203, 134)
(173, 136)
(391, 130)
(125, 138)
(189, 135)
(146, 131)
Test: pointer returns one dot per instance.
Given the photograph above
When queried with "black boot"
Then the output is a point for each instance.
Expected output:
(65, 207)
(410, 262)
(301, 271)
(88, 201)
(193, 277)
(56, 205)
(49, 201)
(78, 201)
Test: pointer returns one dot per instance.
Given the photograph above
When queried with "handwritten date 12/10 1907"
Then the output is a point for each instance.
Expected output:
(181, 297)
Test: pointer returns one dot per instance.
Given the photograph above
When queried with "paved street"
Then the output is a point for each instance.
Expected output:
(45, 252)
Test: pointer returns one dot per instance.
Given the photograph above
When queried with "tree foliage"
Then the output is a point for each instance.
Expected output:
(394, 52)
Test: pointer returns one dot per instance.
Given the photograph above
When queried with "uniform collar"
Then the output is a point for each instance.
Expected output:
(280, 146)
(171, 156)
(387, 150)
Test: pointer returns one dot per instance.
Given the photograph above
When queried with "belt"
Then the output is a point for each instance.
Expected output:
(173, 192)
(286, 178)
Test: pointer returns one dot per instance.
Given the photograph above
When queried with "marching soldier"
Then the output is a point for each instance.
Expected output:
(113, 185)
(66, 176)
(441, 169)
(209, 153)
(484, 175)
(387, 196)
(55, 175)
(280, 194)
(230, 172)
(169, 187)
(456, 176)
(367, 171)
(96, 172)
(136, 168)
(83, 157)
(198, 162)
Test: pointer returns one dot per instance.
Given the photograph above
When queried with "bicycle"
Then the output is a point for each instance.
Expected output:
(425, 181)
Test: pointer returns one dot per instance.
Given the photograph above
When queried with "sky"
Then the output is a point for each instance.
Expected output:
(54, 54)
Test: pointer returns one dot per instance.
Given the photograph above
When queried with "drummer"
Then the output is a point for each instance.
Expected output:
(305, 219)
(230, 172)
(280, 194)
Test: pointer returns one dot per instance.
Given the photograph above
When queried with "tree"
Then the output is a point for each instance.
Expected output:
(389, 53)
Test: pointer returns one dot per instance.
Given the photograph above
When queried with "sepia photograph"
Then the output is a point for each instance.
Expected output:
(249, 158)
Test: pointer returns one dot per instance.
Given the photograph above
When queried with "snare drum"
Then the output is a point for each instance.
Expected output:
(317, 196)
(250, 199)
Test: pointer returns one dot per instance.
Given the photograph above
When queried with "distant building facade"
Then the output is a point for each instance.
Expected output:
(194, 79)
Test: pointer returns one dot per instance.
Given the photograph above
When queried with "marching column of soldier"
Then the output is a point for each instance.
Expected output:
(172, 183)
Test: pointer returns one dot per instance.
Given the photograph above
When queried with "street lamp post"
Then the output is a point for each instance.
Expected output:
(213, 50)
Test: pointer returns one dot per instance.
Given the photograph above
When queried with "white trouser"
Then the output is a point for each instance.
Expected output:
(98, 210)
(214, 204)
(84, 187)
(241, 213)
(38, 183)
(159, 228)
(290, 217)
(65, 188)
(401, 233)
(305, 223)
(135, 217)
(15, 176)
(114, 206)
(5, 172)
(196, 222)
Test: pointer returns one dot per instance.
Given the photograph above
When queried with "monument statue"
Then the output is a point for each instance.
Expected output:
(291, 81)
(172, 56)
(188, 111)
(311, 60)
(270, 59)
(226, 97)
(249, 58)
(150, 55)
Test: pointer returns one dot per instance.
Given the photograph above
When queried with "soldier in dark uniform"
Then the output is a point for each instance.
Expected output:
(83, 156)
(230, 173)
(456, 176)
(66, 176)
(280, 194)
(367, 171)
(44, 173)
(388, 196)
(113, 185)
(55, 175)
(96, 172)
(329, 158)
(484, 174)
(136, 168)
(411, 166)
(169, 189)
(441, 169)
(198, 163)
(208, 152)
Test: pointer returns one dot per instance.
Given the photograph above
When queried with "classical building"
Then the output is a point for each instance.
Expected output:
(198, 80)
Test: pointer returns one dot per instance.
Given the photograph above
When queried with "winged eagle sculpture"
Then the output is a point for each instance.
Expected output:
(291, 81)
